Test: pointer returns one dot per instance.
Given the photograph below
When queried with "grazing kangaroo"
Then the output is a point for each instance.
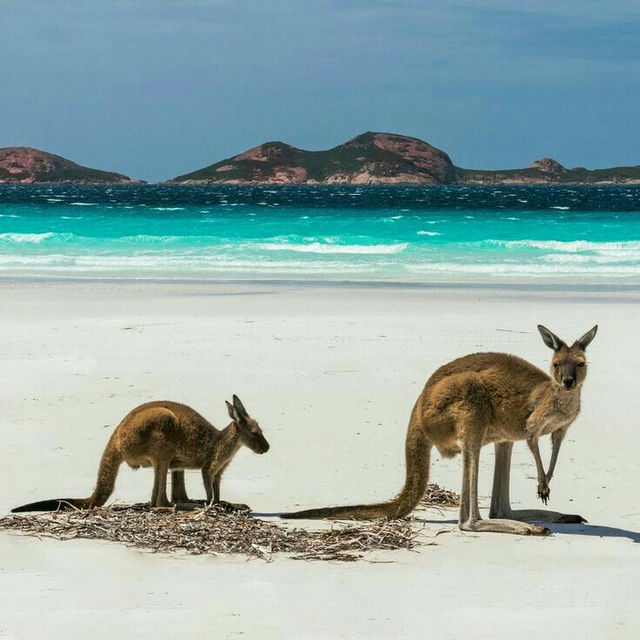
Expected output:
(168, 436)
(478, 399)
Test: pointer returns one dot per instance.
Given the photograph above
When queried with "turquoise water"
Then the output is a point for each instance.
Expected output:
(422, 234)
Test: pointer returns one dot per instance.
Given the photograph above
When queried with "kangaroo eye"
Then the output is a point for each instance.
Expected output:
(555, 365)
(581, 364)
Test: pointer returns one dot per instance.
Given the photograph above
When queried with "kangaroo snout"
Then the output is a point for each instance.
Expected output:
(569, 383)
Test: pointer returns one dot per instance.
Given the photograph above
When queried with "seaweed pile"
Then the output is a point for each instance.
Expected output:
(218, 530)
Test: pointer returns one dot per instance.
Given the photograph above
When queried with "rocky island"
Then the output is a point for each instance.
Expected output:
(384, 158)
(370, 158)
(24, 165)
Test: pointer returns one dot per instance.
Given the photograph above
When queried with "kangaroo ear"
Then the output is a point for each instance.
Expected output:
(550, 339)
(232, 412)
(239, 407)
(586, 339)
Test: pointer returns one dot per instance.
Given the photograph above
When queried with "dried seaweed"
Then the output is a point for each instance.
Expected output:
(216, 529)
(439, 497)
(211, 530)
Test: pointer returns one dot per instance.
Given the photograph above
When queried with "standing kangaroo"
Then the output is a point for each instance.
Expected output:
(482, 398)
(168, 436)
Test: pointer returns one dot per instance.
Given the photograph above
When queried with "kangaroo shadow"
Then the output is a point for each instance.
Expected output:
(583, 529)
(596, 530)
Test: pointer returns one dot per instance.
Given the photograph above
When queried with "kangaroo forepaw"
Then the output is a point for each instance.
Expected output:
(544, 492)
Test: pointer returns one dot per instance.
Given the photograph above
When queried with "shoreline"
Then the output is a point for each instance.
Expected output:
(463, 285)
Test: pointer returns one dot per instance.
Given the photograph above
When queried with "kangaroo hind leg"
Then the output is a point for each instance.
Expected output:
(178, 489)
(470, 519)
(500, 501)
(159, 493)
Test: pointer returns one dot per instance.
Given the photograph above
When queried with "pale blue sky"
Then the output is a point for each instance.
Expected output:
(156, 88)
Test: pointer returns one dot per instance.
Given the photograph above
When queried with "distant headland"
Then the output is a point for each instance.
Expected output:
(24, 165)
(370, 158)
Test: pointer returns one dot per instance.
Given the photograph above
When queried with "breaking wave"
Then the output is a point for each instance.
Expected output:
(574, 246)
(317, 247)
(34, 238)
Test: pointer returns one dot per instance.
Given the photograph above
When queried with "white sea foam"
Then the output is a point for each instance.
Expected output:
(175, 264)
(147, 238)
(188, 264)
(616, 257)
(428, 233)
(525, 269)
(84, 204)
(317, 247)
(34, 238)
(48, 260)
(561, 208)
(573, 246)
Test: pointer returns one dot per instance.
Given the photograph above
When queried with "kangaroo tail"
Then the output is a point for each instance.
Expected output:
(107, 472)
(353, 512)
(57, 504)
(417, 450)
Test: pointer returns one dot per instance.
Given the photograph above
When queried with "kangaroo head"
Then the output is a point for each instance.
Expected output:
(568, 365)
(248, 428)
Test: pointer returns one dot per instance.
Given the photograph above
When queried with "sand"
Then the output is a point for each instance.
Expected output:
(331, 373)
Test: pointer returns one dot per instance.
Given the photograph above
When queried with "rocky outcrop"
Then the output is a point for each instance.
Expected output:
(548, 165)
(370, 158)
(25, 165)
(549, 171)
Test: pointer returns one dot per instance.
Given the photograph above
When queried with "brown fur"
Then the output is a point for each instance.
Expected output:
(479, 399)
(168, 436)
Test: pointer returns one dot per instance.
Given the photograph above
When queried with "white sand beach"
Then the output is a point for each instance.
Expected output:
(331, 373)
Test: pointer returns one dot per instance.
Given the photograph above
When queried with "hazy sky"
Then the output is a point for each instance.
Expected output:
(156, 88)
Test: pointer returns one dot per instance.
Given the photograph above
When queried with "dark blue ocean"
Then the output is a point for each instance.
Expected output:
(328, 233)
